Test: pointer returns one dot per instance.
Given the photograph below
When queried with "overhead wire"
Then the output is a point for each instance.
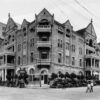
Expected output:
(86, 9)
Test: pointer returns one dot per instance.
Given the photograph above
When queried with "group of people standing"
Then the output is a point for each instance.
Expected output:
(90, 86)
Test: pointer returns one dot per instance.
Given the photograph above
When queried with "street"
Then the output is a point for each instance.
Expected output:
(7, 93)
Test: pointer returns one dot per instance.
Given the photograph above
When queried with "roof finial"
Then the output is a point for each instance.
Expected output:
(8, 15)
(91, 20)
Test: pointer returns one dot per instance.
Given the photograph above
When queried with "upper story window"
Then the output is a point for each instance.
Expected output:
(3, 28)
(19, 47)
(68, 31)
(44, 55)
(87, 51)
(32, 30)
(32, 42)
(44, 22)
(67, 46)
(59, 57)
(60, 43)
(60, 30)
(73, 37)
(11, 48)
(24, 33)
(12, 37)
(31, 57)
(91, 42)
(80, 62)
(67, 59)
(73, 60)
(81, 41)
(24, 29)
(80, 50)
(19, 60)
(24, 45)
(24, 59)
(73, 48)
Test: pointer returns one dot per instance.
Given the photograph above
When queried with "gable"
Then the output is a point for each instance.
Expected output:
(68, 25)
(24, 23)
(44, 14)
(90, 30)
(10, 24)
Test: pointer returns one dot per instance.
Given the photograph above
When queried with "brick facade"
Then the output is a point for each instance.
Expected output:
(47, 46)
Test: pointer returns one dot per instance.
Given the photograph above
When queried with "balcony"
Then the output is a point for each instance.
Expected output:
(8, 65)
(43, 28)
(92, 56)
(43, 44)
(43, 62)
(90, 48)
(89, 68)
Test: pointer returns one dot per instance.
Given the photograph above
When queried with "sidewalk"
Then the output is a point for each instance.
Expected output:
(37, 86)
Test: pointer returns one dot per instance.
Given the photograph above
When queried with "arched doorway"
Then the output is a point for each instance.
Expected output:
(44, 77)
(31, 75)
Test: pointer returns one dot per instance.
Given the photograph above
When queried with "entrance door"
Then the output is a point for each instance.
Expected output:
(44, 77)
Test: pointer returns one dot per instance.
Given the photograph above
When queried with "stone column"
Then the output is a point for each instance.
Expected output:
(99, 75)
(5, 74)
(91, 72)
(94, 63)
(2, 74)
(5, 59)
(91, 62)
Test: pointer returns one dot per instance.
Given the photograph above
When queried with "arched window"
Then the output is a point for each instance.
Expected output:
(31, 72)
(31, 75)
(44, 72)
(44, 22)
(80, 73)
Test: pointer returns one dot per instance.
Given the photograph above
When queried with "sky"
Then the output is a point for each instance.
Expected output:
(79, 12)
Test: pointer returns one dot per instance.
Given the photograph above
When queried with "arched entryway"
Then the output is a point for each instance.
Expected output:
(31, 74)
(44, 76)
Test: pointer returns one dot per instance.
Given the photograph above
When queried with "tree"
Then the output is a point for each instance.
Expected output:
(73, 75)
(53, 76)
(67, 75)
(60, 74)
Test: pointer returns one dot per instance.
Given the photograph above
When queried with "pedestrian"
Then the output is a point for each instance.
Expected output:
(91, 90)
(88, 86)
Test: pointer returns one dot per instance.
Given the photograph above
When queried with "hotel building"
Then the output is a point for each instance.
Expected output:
(45, 46)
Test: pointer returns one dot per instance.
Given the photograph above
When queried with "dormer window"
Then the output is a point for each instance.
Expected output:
(68, 30)
(25, 34)
(13, 38)
(9, 37)
(24, 29)
(32, 30)
(44, 13)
